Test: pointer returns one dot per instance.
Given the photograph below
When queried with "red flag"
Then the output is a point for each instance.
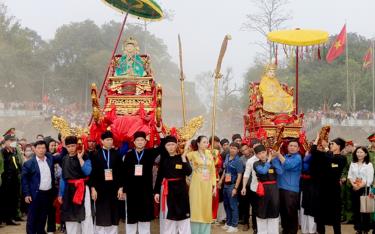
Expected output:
(367, 59)
(338, 46)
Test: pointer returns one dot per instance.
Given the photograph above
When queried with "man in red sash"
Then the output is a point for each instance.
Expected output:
(74, 193)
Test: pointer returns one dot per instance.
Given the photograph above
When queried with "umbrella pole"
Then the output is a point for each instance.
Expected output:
(297, 61)
(113, 53)
(110, 60)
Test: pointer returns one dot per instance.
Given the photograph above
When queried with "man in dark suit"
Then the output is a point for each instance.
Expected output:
(37, 187)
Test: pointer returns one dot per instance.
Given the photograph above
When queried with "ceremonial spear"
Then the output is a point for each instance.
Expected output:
(217, 76)
(182, 78)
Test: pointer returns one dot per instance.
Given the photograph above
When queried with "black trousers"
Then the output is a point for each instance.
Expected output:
(361, 220)
(254, 208)
(289, 204)
(51, 221)
(321, 229)
(244, 206)
(38, 212)
(10, 202)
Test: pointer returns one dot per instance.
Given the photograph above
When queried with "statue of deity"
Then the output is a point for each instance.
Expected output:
(275, 98)
(130, 63)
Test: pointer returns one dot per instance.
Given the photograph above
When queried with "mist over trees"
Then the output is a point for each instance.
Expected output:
(64, 67)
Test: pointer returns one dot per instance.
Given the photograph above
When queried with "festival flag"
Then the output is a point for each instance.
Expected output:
(338, 46)
(367, 59)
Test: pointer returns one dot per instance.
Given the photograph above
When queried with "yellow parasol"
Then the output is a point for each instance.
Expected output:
(299, 38)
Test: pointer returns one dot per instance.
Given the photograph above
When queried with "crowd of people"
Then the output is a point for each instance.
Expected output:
(89, 188)
(339, 115)
(71, 112)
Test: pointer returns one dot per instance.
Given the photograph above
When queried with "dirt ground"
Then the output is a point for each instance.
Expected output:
(216, 229)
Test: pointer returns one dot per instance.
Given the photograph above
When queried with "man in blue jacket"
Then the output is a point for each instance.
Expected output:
(288, 183)
(37, 187)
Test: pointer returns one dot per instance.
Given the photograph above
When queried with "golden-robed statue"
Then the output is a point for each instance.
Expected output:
(275, 98)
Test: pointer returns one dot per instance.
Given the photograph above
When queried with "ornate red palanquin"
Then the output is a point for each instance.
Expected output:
(263, 125)
(131, 104)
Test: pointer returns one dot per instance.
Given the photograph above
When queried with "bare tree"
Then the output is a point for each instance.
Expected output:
(271, 15)
(228, 88)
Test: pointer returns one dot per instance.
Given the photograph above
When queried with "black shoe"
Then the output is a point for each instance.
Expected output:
(255, 231)
(11, 223)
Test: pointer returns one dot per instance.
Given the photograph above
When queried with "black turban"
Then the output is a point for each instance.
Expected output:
(106, 134)
(168, 139)
(70, 140)
(340, 142)
(139, 134)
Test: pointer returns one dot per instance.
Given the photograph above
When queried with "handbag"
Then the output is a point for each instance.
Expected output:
(367, 204)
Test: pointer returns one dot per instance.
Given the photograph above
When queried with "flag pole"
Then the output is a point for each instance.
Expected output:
(347, 68)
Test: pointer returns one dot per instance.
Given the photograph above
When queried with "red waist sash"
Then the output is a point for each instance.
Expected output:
(165, 192)
(305, 177)
(260, 189)
(79, 184)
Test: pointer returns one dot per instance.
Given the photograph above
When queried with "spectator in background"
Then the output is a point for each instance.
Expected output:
(10, 187)
(39, 137)
(224, 147)
(231, 180)
(52, 212)
(237, 138)
(22, 142)
(27, 152)
(360, 176)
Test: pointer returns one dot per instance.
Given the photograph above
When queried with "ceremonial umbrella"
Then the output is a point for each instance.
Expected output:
(299, 38)
(145, 9)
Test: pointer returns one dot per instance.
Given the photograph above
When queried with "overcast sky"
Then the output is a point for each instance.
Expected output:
(202, 24)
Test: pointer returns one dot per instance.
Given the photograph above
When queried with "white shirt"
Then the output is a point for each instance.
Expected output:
(361, 171)
(45, 174)
(249, 170)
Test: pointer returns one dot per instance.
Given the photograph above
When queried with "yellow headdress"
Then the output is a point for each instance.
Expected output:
(269, 67)
(130, 41)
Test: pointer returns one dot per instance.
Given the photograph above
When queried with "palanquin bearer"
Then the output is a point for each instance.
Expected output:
(106, 185)
(138, 187)
(74, 192)
(171, 190)
(327, 169)
(267, 170)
